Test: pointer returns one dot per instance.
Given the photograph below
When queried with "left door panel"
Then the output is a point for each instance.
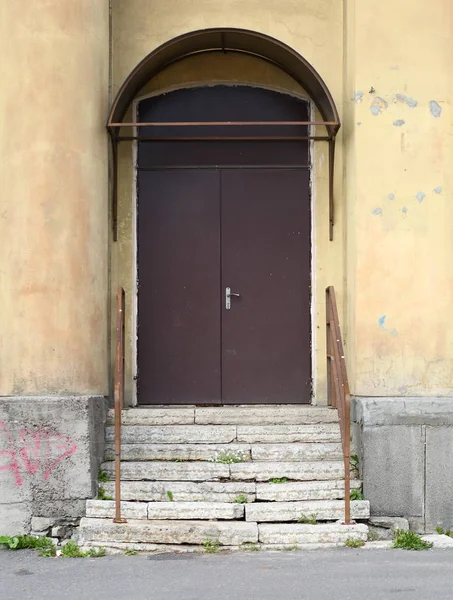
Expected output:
(178, 226)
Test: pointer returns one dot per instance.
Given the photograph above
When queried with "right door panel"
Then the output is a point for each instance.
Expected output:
(266, 258)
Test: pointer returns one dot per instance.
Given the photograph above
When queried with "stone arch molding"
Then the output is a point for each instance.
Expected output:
(226, 40)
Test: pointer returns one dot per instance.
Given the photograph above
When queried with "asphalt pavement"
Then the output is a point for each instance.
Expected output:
(343, 574)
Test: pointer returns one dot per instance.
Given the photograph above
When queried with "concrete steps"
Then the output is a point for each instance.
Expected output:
(193, 477)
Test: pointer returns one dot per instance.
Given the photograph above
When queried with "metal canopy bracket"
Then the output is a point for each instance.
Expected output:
(224, 40)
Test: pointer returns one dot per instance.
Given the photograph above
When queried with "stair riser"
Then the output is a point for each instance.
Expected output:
(203, 452)
(294, 511)
(225, 434)
(156, 491)
(302, 490)
(207, 471)
(102, 509)
(215, 452)
(298, 534)
(231, 533)
(234, 415)
(175, 434)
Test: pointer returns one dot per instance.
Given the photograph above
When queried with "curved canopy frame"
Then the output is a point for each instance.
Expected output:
(226, 40)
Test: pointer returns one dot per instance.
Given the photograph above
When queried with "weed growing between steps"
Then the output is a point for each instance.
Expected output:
(130, 552)
(211, 547)
(448, 532)
(278, 480)
(352, 543)
(356, 495)
(102, 476)
(170, 496)
(308, 519)
(408, 540)
(102, 495)
(227, 457)
(241, 499)
(72, 550)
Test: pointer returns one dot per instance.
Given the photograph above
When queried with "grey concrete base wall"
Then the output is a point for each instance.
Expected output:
(405, 448)
(50, 451)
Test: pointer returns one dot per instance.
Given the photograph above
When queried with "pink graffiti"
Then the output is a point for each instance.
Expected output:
(34, 451)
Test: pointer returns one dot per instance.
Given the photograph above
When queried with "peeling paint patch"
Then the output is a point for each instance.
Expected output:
(399, 122)
(404, 210)
(438, 189)
(420, 197)
(435, 108)
(381, 321)
(391, 196)
(411, 102)
(393, 332)
(378, 105)
(358, 96)
(401, 97)
(377, 211)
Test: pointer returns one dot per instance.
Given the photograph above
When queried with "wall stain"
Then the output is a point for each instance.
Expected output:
(377, 211)
(399, 122)
(435, 108)
(391, 196)
(438, 189)
(404, 210)
(420, 197)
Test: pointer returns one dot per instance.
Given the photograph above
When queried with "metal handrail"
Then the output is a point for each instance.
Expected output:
(119, 398)
(338, 390)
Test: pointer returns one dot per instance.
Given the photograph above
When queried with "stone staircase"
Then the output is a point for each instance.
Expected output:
(247, 477)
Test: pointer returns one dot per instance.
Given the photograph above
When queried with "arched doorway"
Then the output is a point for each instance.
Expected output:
(274, 364)
(224, 247)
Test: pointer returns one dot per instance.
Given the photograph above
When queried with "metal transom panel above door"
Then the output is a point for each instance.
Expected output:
(224, 286)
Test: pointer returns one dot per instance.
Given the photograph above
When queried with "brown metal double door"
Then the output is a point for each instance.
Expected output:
(201, 232)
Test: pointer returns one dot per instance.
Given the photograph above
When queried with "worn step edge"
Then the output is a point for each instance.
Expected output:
(226, 533)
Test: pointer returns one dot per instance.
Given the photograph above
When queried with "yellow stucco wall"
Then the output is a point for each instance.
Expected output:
(314, 30)
(54, 187)
(399, 196)
(387, 66)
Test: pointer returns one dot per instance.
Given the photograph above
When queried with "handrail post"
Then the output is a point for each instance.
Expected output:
(338, 391)
(119, 399)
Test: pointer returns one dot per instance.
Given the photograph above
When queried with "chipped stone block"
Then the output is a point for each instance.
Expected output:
(231, 533)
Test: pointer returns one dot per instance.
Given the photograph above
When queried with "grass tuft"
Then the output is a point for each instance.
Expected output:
(408, 540)
(241, 499)
(102, 476)
(102, 495)
(352, 543)
(228, 457)
(211, 547)
(307, 519)
(356, 495)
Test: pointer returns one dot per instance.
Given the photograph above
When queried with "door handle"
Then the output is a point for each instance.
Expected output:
(228, 294)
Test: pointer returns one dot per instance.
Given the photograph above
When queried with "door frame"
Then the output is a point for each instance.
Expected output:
(312, 193)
